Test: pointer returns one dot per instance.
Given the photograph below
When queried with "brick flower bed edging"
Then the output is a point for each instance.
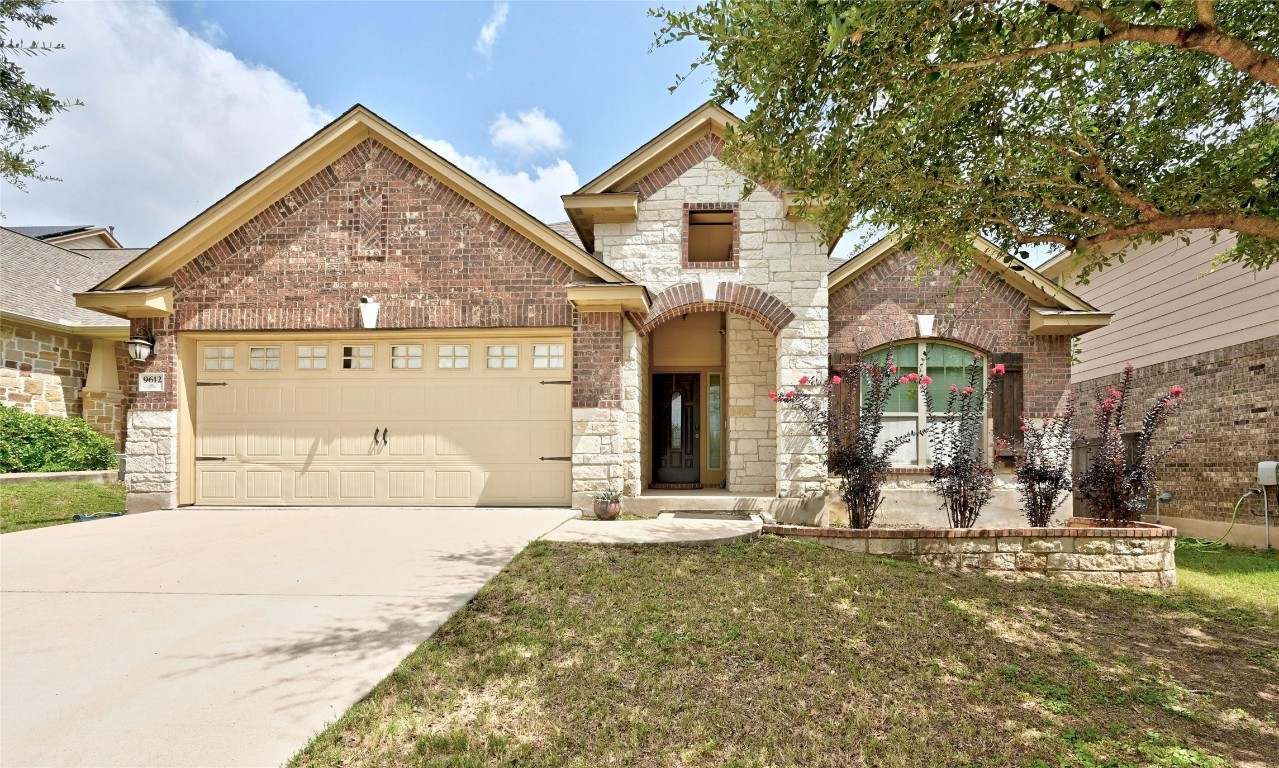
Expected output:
(1140, 555)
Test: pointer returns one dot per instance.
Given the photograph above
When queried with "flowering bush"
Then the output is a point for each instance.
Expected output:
(850, 435)
(960, 473)
(1042, 453)
(1114, 488)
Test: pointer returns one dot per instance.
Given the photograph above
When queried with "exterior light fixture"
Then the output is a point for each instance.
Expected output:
(140, 346)
(368, 312)
(925, 324)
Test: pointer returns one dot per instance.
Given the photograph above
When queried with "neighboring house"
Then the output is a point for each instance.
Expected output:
(363, 323)
(59, 359)
(1214, 330)
(78, 237)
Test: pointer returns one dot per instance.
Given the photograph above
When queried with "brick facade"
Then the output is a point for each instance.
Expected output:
(1232, 408)
(978, 310)
(597, 360)
(44, 372)
(735, 298)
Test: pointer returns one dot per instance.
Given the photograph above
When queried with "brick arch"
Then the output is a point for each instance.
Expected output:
(747, 301)
(900, 331)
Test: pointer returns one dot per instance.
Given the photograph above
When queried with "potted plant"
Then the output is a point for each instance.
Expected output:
(608, 505)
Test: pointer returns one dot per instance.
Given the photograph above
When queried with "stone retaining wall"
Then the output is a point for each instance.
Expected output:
(1137, 556)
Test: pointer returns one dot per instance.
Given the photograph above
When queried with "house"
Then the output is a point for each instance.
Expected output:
(363, 323)
(59, 359)
(1213, 329)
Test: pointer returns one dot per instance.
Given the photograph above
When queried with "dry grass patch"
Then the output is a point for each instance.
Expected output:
(778, 653)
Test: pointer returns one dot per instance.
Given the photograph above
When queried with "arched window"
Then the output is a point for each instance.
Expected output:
(945, 364)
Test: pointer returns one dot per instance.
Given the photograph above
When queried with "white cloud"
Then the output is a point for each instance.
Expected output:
(533, 133)
(170, 122)
(538, 192)
(492, 28)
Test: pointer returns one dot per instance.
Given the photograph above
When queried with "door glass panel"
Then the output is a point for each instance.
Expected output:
(677, 420)
(715, 451)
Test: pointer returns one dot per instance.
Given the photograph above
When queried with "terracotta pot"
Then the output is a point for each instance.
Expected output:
(607, 510)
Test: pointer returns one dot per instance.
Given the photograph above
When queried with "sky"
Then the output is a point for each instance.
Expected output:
(183, 101)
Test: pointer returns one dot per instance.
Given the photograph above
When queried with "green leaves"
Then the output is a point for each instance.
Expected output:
(952, 118)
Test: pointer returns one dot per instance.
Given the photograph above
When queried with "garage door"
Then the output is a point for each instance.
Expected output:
(453, 421)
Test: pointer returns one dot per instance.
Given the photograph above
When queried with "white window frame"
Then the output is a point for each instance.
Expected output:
(355, 357)
(507, 353)
(407, 354)
(920, 414)
(310, 361)
(223, 356)
(263, 362)
(550, 356)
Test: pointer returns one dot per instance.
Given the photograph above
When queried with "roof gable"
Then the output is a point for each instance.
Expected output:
(158, 263)
(1039, 289)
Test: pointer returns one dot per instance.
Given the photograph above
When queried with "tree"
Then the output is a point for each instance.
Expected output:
(1070, 123)
(23, 106)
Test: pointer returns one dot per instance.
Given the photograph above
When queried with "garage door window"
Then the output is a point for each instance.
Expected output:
(264, 358)
(454, 356)
(406, 356)
(219, 358)
(357, 358)
(503, 356)
(312, 358)
(548, 355)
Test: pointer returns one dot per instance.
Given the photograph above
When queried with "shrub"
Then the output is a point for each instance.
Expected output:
(850, 435)
(30, 442)
(1043, 453)
(1114, 487)
(960, 474)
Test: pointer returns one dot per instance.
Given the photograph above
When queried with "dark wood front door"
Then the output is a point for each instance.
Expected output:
(676, 431)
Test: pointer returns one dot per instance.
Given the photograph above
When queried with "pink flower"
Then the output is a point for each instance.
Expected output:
(892, 369)
(790, 395)
(836, 380)
(968, 391)
(1189, 435)
(925, 380)
(904, 380)
(1116, 394)
(954, 388)
(1177, 391)
(1128, 368)
(772, 395)
(1108, 403)
(977, 357)
(1023, 427)
(803, 379)
(998, 370)
(913, 377)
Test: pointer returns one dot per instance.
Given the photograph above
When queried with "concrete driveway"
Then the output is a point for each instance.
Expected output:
(224, 637)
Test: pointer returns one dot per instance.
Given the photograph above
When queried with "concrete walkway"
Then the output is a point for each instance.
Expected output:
(664, 529)
(224, 637)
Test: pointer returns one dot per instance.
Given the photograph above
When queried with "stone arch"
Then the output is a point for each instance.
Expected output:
(747, 301)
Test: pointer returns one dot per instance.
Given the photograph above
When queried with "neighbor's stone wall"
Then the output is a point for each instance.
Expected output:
(1231, 406)
(781, 260)
(980, 311)
(752, 416)
(1140, 556)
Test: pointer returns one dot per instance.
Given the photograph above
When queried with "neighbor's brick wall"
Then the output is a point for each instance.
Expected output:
(371, 223)
(980, 311)
(1232, 408)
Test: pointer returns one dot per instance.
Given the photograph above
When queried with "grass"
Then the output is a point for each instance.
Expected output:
(1241, 576)
(780, 653)
(40, 504)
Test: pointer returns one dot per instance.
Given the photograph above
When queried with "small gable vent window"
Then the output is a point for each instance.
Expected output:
(711, 238)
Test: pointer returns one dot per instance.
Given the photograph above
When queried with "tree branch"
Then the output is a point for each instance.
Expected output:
(1243, 224)
(1204, 37)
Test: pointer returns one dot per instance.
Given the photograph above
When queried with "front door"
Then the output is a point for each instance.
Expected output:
(676, 432)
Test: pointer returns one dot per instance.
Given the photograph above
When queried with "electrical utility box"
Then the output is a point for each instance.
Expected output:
(1268, 473)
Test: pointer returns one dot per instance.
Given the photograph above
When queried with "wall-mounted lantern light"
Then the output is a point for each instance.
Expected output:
(140, 346)
(925, 324)
(368, 312)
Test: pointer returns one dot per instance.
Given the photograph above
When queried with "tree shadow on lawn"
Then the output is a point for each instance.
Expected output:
(779, 653)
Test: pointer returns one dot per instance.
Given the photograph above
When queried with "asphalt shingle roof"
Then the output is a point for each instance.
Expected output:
(566, 229)
(43, 232)
(39, 278)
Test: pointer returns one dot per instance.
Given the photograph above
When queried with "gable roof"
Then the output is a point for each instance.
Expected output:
(638, 164)
(40, 278)
(69, 233)
(358, 123)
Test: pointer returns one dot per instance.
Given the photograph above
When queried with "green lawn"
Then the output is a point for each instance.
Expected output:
(36, 505)
(779, 653)
(1238, 576)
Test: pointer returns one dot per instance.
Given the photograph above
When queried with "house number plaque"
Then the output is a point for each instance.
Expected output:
(151, 382)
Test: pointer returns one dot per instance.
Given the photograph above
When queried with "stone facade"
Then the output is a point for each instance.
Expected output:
(1140, 556)
(151, 460)
(752, 416)
(778, 280)
(45, 372)
(636, 407)
(1231, 406)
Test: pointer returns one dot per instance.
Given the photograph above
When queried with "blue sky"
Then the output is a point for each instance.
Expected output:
(183, 101)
